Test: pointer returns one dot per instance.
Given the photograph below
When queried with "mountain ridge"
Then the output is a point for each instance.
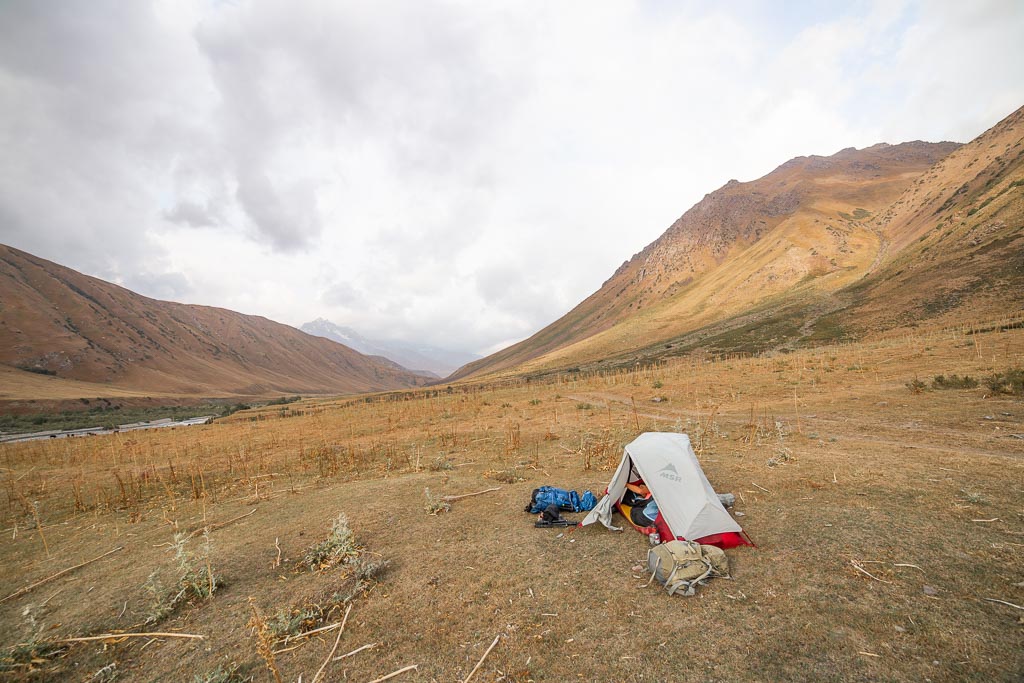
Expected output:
(422, 359)
(800, 255)
(54, 320)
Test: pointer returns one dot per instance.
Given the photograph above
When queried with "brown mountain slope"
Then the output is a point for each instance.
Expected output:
(742, 246)
(56, 320)
(953, 242)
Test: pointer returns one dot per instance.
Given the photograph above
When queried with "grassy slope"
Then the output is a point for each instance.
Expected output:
(953, 240)
(865, 470)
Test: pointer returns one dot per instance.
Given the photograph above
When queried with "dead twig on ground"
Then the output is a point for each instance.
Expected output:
(908, 565)
(214, 527)
(368, 646)
(47, 600)
(1003, 602)
(307, 634)
(495, 642)
(761, 487)
(395, 673)
(449, 499)
(115, 636)
(35, 585)
(323, 667)
(856, 565)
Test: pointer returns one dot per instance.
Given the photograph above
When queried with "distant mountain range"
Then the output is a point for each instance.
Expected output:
(58, 323)
(821, 249)
(419, 358)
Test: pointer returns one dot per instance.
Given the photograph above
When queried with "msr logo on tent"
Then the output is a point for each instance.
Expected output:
(669, 472)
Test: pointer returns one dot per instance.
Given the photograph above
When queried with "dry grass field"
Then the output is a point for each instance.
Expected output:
(887, 519)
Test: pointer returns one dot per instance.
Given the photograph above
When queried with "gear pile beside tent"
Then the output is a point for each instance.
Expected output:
(688, 508)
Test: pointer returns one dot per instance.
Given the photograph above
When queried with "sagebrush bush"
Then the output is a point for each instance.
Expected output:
(338, 548)
(441, 464)
(222, 674)
(435, 505)
(195, 580)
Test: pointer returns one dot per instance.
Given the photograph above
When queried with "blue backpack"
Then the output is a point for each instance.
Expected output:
(570, 501)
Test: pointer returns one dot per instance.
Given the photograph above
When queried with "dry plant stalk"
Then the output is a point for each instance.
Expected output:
(395, 673)
(320, 671)
(495, 642)
(26, 589)
(368, 646)
(39, 527)
(263, 648)
(1003, 602)
(115, 636)
(307, 634)
(449, 499)
(219, 525)
(856, 565)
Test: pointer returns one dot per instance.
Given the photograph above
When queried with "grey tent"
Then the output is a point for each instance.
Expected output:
(688, 507)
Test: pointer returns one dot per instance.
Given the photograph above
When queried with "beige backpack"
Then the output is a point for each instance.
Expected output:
(683, 565)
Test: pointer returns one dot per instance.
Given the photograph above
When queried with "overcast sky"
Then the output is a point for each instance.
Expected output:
(460, 173)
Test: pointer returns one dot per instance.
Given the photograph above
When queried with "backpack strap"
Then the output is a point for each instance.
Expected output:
(657, 564)
(689, 587)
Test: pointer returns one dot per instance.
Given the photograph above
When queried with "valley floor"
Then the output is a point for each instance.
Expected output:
(889, 523)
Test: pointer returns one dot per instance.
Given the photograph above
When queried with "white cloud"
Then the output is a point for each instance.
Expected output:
(459, 173)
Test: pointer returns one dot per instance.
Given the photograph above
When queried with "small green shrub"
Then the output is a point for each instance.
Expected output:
(221, 674)
(31, 654)
(441, 464)
(317, 610)
(284, 400)
(782, 455)
(1009, 381)
(435, 505)
(338, 548)
(657, 384)
(37, 370)
(195, 580)
(507, 476)
(974, 497)
(916, 385)
(954, 382)
(584, 406)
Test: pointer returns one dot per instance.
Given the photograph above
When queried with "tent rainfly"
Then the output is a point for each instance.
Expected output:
(688, 508)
